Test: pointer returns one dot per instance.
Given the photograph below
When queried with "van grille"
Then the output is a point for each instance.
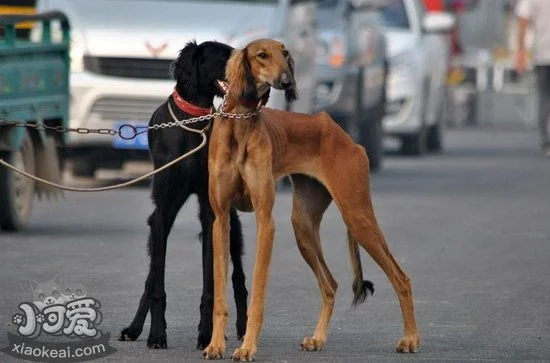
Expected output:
(148, 68)
(125, 109)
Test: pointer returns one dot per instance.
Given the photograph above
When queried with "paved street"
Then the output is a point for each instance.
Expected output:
(471, 227)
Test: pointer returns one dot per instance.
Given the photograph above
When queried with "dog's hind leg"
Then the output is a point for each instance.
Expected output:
(206, 217)
(368, 234)
(358, 213)
(310, 201)
(154, 295)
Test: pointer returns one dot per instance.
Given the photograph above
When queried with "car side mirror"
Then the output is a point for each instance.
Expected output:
(438, 22)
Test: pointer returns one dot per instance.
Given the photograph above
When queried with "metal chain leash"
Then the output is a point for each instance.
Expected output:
(180, 123)
(128, 131)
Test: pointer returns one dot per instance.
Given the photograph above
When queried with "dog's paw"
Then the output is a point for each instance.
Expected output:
(241, 330)
(129, 333)
(157, 341)
(204, 339)
(214, 351)
(408, 344)
(312, 344)
(244, 354)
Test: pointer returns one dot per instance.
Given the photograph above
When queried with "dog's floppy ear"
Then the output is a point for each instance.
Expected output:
(239, 75)
(184, 69)
(290, 93)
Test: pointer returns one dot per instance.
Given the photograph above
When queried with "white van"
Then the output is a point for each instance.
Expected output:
(122, 50)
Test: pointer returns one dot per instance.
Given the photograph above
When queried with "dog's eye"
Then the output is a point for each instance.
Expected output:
(262, 55)
(285, 53)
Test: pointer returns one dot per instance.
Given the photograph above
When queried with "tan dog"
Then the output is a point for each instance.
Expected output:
(245, 158)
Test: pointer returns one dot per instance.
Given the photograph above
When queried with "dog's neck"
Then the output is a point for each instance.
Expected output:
(198, 97)
(239, 104)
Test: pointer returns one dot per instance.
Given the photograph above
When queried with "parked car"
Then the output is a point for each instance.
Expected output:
(419, 54)
(351, 71)
(122, 50)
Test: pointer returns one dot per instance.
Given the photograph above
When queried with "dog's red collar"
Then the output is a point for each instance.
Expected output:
(189, 107)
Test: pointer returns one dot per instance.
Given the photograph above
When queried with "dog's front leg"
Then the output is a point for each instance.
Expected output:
(258, 176)
(222, 184)
(220, 233)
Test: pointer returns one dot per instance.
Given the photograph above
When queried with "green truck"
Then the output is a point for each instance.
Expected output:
(34, 91)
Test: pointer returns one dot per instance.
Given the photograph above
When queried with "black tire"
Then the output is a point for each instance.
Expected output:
(83, 168)
(370, 137)
(17, 191)
(434, 138)
(369, 124)
(434, 134)
(414, 144)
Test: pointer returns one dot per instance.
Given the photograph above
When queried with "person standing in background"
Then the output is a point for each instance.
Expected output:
(537, 14)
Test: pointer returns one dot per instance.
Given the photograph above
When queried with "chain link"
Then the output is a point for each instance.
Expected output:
(134, 131)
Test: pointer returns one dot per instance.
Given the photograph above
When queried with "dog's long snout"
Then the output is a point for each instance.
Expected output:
(287, 81)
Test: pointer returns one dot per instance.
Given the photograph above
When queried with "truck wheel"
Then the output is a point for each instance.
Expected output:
(369, 126)
(370, 137)
(434, 138)
(16, 191)
(414, 144)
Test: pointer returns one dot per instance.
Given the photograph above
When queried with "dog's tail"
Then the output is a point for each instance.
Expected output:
(361, 288)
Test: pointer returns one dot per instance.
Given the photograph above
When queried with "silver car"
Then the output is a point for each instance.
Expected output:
(121, 52)
(419, 53)
(351, 71)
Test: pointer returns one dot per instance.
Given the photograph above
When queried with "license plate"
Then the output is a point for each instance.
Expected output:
(139, 142)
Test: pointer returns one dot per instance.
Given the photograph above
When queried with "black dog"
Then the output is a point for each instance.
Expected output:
(196, 72)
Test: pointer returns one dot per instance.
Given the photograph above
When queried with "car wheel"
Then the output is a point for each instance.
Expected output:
(434, 137)
(414, 144)
(83, 168)
(370, 137)
(17, 191)
(370, 130)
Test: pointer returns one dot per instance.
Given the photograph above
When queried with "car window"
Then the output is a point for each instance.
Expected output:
(327, 3)
(393, 15)
(238, 1)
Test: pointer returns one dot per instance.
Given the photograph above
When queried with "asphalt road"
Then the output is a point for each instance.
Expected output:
(471, 227)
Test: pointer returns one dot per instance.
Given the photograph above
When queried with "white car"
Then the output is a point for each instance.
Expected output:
(122, 50)
(419, 59)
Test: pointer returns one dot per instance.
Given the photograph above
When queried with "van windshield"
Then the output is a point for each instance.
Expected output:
(240, 1)
(392, 15)
(327, 3)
